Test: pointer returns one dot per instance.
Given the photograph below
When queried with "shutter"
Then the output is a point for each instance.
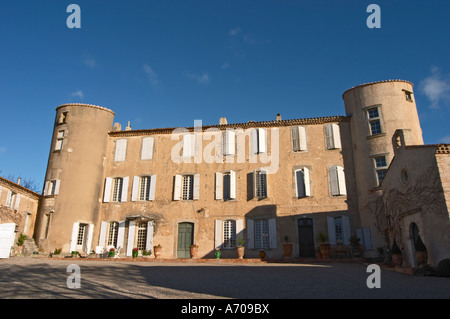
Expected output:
(262, 140)
(102, 238)
(89, 238)
(254, 141)
(336, 136)
(229, 142)
(255, 184)
(124, 194)
(300, 183)
(45, 189)
(74, 236)
(334, 187)
(233, 185)
(346, 230)
(121, 150)
(135, 189)
(302, 138)
(8, 199)
(331, 231)
(188, 145)
(219, 186)
(196, 186)
(57, 184)
(16, 205)
(341, 180)
(306, 181)
(295, 138)
(177, 187)
(329, 136)
(149, 241)
(239, 229)
(130, 241)
(152, 187)
(367, 238)
(147, 148)
(120, 234)
(218, 234)
(272, 233)
(250, 234)
(107, 195)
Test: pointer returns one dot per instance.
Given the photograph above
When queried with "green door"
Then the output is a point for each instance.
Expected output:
(185, 239)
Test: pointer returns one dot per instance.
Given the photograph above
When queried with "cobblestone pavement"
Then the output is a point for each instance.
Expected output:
(45, 278)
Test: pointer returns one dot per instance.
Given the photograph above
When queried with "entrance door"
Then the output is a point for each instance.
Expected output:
(185, 239)
(306, 237)
(6, 239)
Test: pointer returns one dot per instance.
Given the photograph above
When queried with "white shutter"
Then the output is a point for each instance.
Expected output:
(331, 230)
(219, 186)
(121, 234)
(229, 142)
(102, 238)
(341, 180)
(346, 230)
(239, 228)
(302, 138)
(121, 150)
(334, 187)
(147, 148)
(57, 184)
(152, 187)
(177, 187)
(1, 188)
(306, 181)
(135, 189)
(149, 239)
(233, 185)
(250, 234)
(218, 234)
(74, 236)
(89, 238)
(262, 140)
(336, 136)
(123, 198)
(16, 205)
(299, 183)
(196, 186)
(329, 136)
(8, 199)
(107, 195)
(188, 145)
(272, 233)
(47, 183)
(254, 141)
(131, 232)
(295, 138)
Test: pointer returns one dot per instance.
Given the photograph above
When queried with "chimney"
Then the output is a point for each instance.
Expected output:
(128, 128)
(223, 121)
(117, 127)
(278, 117)
(18, 181)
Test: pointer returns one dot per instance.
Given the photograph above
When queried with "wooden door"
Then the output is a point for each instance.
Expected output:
(306, 237)
(185, 239)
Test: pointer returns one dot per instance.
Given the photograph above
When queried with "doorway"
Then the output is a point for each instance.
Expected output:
(185, 239)
(306, 237)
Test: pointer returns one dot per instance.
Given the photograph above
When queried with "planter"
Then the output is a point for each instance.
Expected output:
(262, 254)
(287, 250)
(325, 250)
(422, 257)
(397, 260)
(240, 252)
(135, 254)
(157, 250)
(217, 254)
(194, 251)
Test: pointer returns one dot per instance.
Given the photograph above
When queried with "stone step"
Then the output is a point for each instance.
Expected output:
(29, 247)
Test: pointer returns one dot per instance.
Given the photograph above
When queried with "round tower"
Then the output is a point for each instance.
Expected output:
(377, 110)
(70, 203)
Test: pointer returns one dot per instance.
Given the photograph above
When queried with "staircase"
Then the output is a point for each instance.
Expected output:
(29, 246)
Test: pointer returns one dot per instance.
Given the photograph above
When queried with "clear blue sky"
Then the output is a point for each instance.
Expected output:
(167, 63)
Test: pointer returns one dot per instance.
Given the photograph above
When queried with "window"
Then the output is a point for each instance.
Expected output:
(144, 190)
(338, 230)
(51, 187)
(63, 118)
(226, 185)
(10, 198)
(121, 150)
(188, 145)
(337, 181)
(261, 234)
(59, 141)
(141, 239)
(187, 187)
(260, 179)
(332, 136)
(147, 148)
(81, 234)
(117, 189)
(380, 167)
(113, 231)
(298, 135)
(259, 141)
(229, 142)
(302, 183)
(229, 234)
(408, 95)
(373, 115)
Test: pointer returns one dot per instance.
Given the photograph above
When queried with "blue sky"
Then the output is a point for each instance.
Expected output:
(167, 63)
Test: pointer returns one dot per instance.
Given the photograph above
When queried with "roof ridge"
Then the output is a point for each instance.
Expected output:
(376, 82)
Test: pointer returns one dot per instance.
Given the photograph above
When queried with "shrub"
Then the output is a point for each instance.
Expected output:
(444, 268)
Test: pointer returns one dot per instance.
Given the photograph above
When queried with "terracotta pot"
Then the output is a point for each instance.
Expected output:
(240, 252)
(397, 260)
(287, 250)
(157, 251)
(422, 257)
(325, 250)
(194, 251)
(262, 254)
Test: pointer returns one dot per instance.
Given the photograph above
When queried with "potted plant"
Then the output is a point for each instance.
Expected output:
(112, 253)
(217, 253)
(287, 247)
(194, 251)
(146, 253)
(421, 252)
(396, 254)
(158, 250)
(240, 247)
(135, 253)
(356, 247)
(325, 246)
(74, 253)
(262, 254)
(19, 243)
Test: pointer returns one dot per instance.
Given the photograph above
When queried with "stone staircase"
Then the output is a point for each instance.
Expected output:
(29, 246)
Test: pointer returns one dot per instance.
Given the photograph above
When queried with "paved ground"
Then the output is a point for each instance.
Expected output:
(45, 278)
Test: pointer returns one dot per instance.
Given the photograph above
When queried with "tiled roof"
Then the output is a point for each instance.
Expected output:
(250, 124)
(86, 105)
(440, 148)
(371, 83)
(18, 187)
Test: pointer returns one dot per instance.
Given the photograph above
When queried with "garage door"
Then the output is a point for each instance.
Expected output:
(6, 239)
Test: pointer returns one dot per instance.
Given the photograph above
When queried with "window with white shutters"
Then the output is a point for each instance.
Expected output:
(121, 150)
(261, 228)
(259, 140)
(229, 142)
(298, 136)
(302, 183)
(141, 238)
(337, 181)
(117, 189)
(147, 148)
(333, 136)
(81, 234)
(144, 190)
(229, 234)
(59, 140)
(188, 187)
(260, 179)
(113, 231)
(188, 145)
